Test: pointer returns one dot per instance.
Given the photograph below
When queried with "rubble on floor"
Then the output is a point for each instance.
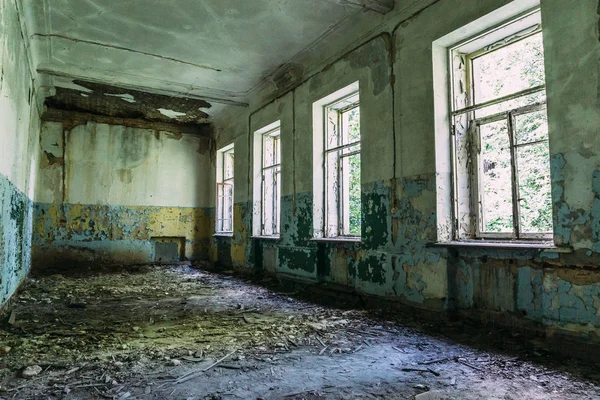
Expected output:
(156, 332)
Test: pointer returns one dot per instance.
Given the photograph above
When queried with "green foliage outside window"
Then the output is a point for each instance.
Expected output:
(354, 175)
(501, 72)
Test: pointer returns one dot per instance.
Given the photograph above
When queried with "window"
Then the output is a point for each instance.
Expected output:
(267, 179)
(340, 157)
(225, 170)
(499, 133)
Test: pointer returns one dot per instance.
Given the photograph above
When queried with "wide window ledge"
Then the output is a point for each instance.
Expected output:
(338, 239)
(267, 237)
(223, 234)
(503, 245)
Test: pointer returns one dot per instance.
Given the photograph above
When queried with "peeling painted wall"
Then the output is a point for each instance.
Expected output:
(558, 292)
(398, 214)
(19, 128)
(107, 192)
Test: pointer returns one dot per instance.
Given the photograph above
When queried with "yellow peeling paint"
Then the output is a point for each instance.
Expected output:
(87, 223)
(238, 245)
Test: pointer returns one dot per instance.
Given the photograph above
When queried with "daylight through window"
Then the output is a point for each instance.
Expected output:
(500, 131)
(271, 183)
(342, 167)
(225, 163)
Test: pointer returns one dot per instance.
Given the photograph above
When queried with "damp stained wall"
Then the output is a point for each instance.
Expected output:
(554, 291)
(19, 126)
(108, 193)
(392, 260)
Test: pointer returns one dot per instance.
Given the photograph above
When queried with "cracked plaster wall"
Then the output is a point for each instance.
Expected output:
(106, 191)
(18, 152)
(392, 260)
(557, 292)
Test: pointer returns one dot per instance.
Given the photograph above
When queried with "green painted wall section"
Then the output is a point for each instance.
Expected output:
(15, 237)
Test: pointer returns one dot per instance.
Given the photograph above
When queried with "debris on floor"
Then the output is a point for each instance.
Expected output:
(156, 332)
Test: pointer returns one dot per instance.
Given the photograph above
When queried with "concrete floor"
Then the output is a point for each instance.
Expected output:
(138, 333)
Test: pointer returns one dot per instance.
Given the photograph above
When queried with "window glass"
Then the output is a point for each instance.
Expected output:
(508, 69)
(503, 184)
(342, 168)
(352, 163)
(225, 179)
(271, 183)
(228, 165)
(495, 172)
(533, 164)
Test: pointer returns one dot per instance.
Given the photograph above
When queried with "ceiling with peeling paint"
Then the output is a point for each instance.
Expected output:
(117, 102)
(213, 50)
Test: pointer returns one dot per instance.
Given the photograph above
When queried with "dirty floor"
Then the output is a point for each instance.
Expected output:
(178, 332)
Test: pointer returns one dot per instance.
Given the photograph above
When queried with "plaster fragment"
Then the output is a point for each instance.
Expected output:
(125, 97)
(171, 113)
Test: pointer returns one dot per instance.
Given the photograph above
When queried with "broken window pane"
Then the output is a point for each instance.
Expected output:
(495, 178)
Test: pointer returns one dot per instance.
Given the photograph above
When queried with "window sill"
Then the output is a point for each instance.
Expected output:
(223, 234)
(338, 239)
(273, 237)
(503, 245)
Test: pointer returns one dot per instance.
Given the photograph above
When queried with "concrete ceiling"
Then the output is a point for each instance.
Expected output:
(216, 50)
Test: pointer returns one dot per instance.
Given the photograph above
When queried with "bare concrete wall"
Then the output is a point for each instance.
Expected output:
(107, 194)
(19, 128)
(554, 290)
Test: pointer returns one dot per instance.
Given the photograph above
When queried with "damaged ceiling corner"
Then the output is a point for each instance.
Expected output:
(108, 103)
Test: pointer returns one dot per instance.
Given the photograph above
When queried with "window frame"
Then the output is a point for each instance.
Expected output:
(473, 124)
(276, 195)
(339, 107)
(223, 181)
(477, 198)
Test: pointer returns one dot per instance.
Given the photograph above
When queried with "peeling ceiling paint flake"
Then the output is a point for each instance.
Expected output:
(126, 97)
(171, 113)
(117, 102)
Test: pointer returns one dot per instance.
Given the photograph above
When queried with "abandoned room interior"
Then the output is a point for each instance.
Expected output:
(299, 199)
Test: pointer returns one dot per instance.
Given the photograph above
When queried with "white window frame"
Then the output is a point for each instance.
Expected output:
(267, 200)
(224, 204)
(331, 190)
(470, 226)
